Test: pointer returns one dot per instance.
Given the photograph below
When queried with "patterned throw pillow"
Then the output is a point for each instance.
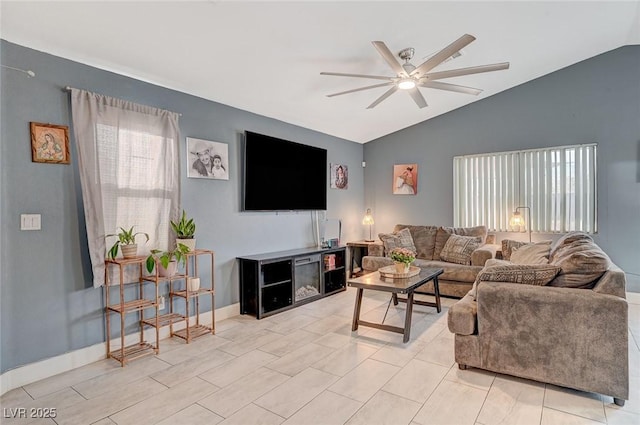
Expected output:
(400, 239)
(528, 274)
(458, 249)
(525, 274)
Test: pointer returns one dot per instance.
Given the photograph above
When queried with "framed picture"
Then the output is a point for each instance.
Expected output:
(207, 159)
(50, 143)
(405, 179)
(339, 176)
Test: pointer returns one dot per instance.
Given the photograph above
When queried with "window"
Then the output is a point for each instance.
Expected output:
(128, 162)
(558, 185)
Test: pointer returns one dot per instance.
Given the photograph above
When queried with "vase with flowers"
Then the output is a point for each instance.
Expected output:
(402, 257)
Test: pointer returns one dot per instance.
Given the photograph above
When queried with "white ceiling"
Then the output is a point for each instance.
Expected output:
(266, 57)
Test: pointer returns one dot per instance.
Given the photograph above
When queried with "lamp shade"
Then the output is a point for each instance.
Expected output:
(516, 219)
(368, 218)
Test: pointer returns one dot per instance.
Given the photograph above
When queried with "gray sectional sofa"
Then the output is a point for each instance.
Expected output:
(571, 331)
(429, 242)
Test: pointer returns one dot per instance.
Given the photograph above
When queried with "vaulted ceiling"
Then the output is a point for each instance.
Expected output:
(266, 57)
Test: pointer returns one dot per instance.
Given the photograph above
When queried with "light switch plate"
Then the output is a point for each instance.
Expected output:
(30, 222)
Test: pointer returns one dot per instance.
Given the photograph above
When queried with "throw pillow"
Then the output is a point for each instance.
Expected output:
(536, 253)
(582, 263)
(458, 249)
(526, 274)
(507, 247)
(443, 234)
(400, 239)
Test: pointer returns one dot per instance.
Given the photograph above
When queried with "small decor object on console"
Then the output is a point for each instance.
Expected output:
(50, 143)
(403, 258)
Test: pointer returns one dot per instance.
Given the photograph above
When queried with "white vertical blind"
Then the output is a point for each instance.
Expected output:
(558, 185)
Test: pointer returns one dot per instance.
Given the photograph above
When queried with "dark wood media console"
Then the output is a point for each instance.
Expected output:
(277, 281)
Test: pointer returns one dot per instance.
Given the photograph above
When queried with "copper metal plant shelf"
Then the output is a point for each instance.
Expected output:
(132, 352)
(134, 305)
(194, 332)
(165, 319)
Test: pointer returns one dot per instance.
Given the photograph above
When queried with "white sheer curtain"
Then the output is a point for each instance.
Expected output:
(128, 160)
(559, 185)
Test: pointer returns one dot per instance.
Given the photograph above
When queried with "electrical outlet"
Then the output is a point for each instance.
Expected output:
(161, 303)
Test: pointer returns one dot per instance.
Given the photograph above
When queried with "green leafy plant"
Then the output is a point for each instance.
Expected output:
(165, 257)
(125, 237)
(185, 228)
(402, 255)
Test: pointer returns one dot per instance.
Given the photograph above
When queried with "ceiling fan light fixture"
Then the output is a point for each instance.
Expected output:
(406, 84)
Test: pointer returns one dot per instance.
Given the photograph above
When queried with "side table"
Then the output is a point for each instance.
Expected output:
(357, 250)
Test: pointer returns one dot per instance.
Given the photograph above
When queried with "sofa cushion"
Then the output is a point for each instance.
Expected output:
(582, 263)
(567, 240)
(535, 253)
(444, 232)
(458, 249)
(399, 239)
(451, 271)
(424, 239)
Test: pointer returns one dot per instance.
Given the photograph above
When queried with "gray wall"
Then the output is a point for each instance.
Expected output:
(48, 303)
(597, 100)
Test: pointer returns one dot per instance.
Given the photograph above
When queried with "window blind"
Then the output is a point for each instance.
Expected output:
(558, 185)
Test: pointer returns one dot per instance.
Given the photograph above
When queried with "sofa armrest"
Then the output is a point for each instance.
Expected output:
(564, 336)
(483, 253)
(461, 317)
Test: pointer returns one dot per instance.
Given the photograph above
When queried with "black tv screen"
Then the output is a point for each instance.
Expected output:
(280, 175)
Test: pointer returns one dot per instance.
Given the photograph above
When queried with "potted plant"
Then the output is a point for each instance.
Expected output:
(168, 260)
(185, 230)
(126, 239)
(403, 258)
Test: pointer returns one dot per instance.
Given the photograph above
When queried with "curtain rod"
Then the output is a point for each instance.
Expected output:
(68, 88)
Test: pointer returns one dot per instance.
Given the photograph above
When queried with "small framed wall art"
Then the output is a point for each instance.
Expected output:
(50, 143)
(207, 160)
(339, 176)
(405, 179)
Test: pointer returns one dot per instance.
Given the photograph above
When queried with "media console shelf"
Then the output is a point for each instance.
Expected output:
(278, 281)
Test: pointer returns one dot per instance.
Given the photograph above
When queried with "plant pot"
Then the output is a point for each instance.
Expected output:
(189, 243)
(193, 284)
(129, 251)
(402, 267)
(169, 271)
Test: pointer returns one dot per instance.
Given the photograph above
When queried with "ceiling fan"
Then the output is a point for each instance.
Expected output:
(409, 77)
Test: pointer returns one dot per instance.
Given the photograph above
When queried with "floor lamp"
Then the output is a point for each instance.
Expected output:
(368, 220)
(518, 220)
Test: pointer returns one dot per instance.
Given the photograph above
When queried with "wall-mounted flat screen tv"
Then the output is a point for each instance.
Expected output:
(280, 175)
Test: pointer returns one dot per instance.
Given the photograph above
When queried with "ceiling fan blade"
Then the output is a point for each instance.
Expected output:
(386, 94)
(373, 77)
(443, 54)
(361, 88)
(389, 58)
(450, 87)
(417, 97)
(466, 71)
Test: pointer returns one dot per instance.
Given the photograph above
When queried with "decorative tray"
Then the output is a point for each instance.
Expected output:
(390, 272)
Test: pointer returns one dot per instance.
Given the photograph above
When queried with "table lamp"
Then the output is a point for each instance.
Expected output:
(368, 220)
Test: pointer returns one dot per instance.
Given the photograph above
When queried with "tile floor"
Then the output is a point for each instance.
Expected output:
(305, 366)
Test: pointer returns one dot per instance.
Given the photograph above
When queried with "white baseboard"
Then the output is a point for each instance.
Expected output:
(36, 371)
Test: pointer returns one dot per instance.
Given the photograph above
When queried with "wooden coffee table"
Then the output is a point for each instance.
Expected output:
(374, 281)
